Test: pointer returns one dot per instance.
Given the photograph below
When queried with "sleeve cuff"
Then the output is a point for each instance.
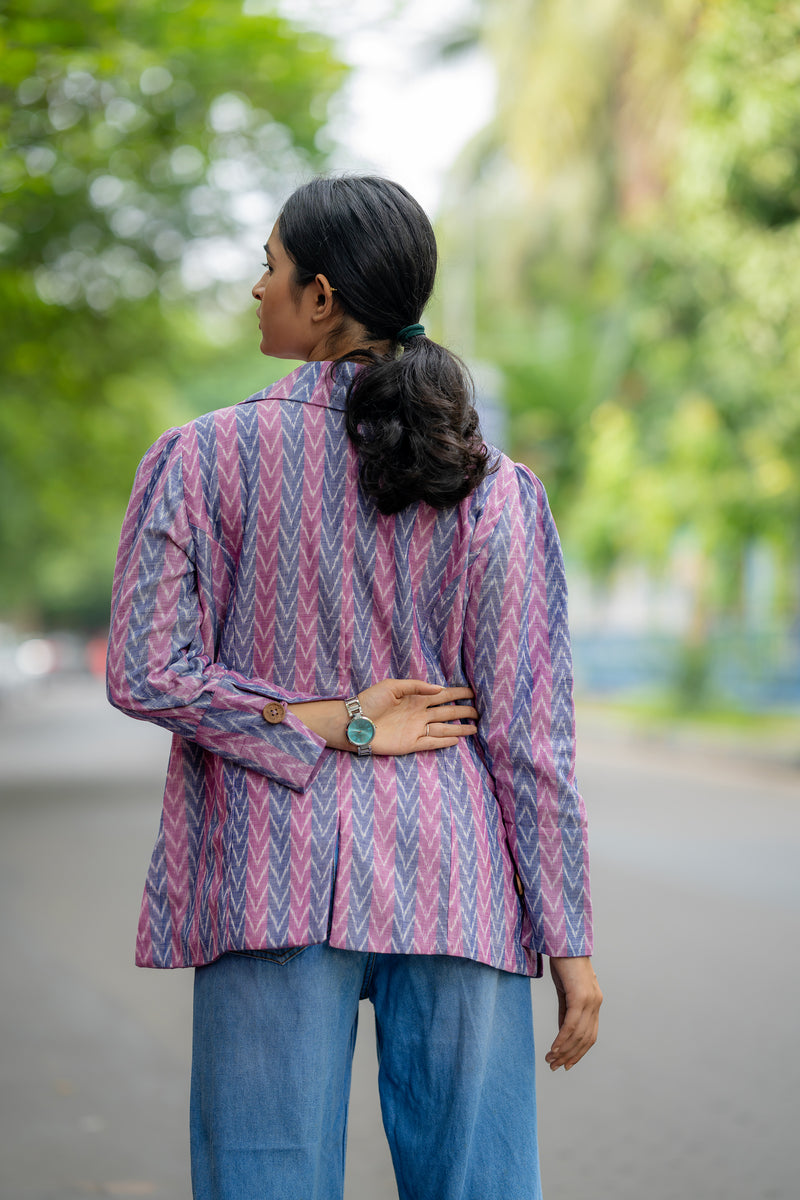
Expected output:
(233, 726)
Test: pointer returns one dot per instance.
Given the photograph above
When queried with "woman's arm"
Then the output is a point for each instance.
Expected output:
(409, 715)
(164, 625)
(517, 657)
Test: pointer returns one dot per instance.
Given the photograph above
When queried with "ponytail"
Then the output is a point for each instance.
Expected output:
(415, 428)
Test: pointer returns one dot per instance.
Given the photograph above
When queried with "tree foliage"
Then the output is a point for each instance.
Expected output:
(642, 291)
(137, 139)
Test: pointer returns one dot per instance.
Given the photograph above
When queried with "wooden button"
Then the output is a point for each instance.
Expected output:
(274, 712)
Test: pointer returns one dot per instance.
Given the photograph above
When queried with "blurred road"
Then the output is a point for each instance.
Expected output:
(690, 1095)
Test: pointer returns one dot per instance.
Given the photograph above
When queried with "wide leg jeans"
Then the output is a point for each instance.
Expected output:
(274, 1033)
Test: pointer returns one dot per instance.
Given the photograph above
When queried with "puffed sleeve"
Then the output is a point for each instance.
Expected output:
(517, 658)
(161, 664)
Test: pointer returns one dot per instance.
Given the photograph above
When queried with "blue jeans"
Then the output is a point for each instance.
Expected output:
(274, 1033)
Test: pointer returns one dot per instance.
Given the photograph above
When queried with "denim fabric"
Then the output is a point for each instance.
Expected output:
(274, 1032)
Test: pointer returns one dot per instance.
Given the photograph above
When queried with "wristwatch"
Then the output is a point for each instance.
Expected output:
(360, 730)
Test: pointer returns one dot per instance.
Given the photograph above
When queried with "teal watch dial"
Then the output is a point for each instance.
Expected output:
(360, 731)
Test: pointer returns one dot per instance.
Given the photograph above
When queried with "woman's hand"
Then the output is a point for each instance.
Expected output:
(411, 715)
(579, 1000)
(408, 715)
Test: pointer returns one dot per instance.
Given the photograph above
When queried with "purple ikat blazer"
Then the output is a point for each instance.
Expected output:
(252, 566)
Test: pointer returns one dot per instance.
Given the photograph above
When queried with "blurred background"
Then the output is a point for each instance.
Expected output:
(616, 193)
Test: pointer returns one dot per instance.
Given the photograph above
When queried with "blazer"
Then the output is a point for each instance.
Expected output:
(252, 566)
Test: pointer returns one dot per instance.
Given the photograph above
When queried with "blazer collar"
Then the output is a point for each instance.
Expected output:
(311, 383)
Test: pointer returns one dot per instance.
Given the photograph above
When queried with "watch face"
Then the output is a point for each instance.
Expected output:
(360, 731)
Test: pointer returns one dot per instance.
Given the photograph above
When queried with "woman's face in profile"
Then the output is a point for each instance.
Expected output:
(282, 316)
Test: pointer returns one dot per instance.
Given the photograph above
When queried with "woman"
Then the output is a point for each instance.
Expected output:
(325, 837)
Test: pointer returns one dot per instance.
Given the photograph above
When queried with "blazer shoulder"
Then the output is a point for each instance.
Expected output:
(507, 482)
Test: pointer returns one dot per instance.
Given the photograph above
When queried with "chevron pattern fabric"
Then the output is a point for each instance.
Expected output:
(253, 566)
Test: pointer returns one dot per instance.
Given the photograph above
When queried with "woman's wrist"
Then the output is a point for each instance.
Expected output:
(327, 718)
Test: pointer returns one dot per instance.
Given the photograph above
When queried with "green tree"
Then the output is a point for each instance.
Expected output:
(137, 139)
(636, 208)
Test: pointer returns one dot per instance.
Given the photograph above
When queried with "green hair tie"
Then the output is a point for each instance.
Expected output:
(410, 331)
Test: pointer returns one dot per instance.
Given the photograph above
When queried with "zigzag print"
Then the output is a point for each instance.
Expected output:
(407, 877)
(149, 570)
(348, 623)
(572, 818)
(341, 895)
(244, 438)
(362, 568)
(148, 479)
(382, 598)
(309, 549)
(280, 862)
(542, 856)
(192, 764)
(324, 825)
(229, 499)
(209, 881)
(205, 433)
(384, 854)
(434, 600)
(288, 562)
(253, 565)
(331, 549)
(362, 816)
(299, 869)
(176, 848)
(256, 906)
(270, 464)
(484, 838)
(155, 929)
(404, 645)
(235, 838)
(532, 727)
(466, 837)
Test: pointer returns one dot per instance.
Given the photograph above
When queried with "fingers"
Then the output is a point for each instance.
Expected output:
(447, 722)
(451, 694)
(440, 734)
(413, 715)
(577, 1035)
(420, 687)
(451, 712)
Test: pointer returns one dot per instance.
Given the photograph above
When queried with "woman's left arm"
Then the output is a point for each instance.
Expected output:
(164, 622)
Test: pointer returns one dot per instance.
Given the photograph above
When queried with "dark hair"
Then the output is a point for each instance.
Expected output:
(410, 416)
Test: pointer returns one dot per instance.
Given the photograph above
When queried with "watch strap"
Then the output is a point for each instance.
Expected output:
(354, 710)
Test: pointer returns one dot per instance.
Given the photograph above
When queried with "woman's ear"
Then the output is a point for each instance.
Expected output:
(324, 300)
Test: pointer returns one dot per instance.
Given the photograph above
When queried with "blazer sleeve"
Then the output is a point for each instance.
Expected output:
(161, 663)
(517, 659)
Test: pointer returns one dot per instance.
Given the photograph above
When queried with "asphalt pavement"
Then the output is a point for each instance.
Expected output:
(690, 1094)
